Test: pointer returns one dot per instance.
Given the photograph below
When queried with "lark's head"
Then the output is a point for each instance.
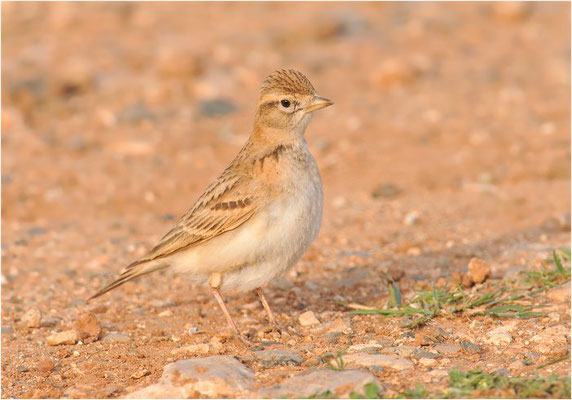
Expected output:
(287, 101)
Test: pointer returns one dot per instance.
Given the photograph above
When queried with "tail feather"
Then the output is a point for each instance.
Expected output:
(130, 272)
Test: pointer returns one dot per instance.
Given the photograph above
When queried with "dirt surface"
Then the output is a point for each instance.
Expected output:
(449, 139)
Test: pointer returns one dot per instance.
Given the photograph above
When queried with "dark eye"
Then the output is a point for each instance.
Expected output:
(285, 103)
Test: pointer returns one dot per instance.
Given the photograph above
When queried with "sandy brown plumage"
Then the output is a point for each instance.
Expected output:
(262, 212)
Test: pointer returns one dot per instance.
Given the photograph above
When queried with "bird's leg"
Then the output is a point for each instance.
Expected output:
(215, 281)
(266, 306)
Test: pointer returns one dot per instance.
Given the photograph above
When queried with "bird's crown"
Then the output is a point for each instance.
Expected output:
(287, 81)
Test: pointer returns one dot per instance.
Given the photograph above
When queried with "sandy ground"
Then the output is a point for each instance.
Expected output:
(449, 138)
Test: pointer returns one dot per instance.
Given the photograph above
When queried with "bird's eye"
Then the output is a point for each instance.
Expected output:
(285, 103)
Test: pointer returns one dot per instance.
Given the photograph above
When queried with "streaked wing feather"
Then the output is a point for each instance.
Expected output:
(224, 206)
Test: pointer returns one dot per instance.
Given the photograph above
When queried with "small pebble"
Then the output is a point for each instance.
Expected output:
(65, 337)
(45, 365)
(411, 218)
(420, 354)
(140, 374)
(387, 190)
(215, 345)
(216, 107)
(116, 337)
(447, 348)
(7, 330)
(498, 337)
(427, 362)
(166, 313)
(308, 318)
(511, 11)
(278, 356)
(337, 325)
(32, 318)
(479, 270)
(470, 348)
(422, 339)
(88, 328)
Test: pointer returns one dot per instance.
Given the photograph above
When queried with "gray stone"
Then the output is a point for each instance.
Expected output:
(404, 350)
(379, 360)
(387, 190)
(419, 354)
(470, 348)
(7, 330)
(333, 337)
(217, 376)
(318, 381)
(116, 337)
(36, 230)
(217, 107)
(447, 348)
(279, 356)
(370, 348)
(49, 322)
(135, 113)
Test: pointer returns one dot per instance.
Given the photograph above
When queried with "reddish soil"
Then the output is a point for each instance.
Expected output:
(449, 138)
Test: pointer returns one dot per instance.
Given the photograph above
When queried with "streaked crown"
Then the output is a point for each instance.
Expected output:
(287, 81)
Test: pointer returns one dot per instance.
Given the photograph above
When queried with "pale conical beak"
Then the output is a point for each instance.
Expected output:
(318, 104)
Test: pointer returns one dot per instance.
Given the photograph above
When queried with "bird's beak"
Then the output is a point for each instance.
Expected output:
(317, 104)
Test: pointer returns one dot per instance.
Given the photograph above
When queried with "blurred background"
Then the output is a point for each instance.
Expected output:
(127, 110)
(449, 137)
(451, 123)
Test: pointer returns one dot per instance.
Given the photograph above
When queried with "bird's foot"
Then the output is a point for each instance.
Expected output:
(277, 327)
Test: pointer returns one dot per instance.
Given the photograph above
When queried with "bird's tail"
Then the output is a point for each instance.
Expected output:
(131, 272)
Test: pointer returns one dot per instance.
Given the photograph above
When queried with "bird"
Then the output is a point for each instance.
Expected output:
(256, 220)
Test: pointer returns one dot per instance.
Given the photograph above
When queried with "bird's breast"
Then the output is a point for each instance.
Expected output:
(293, 220)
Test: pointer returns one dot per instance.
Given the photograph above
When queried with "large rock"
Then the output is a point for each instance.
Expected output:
(218, 376)
(378, 360)
(318, 381)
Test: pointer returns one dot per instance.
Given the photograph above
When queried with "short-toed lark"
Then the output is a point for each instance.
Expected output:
(256, 220)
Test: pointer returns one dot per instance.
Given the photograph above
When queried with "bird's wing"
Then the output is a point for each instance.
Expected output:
(225, 205)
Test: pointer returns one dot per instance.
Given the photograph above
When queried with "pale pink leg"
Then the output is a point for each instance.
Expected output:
(220, 300)
(266, 306)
